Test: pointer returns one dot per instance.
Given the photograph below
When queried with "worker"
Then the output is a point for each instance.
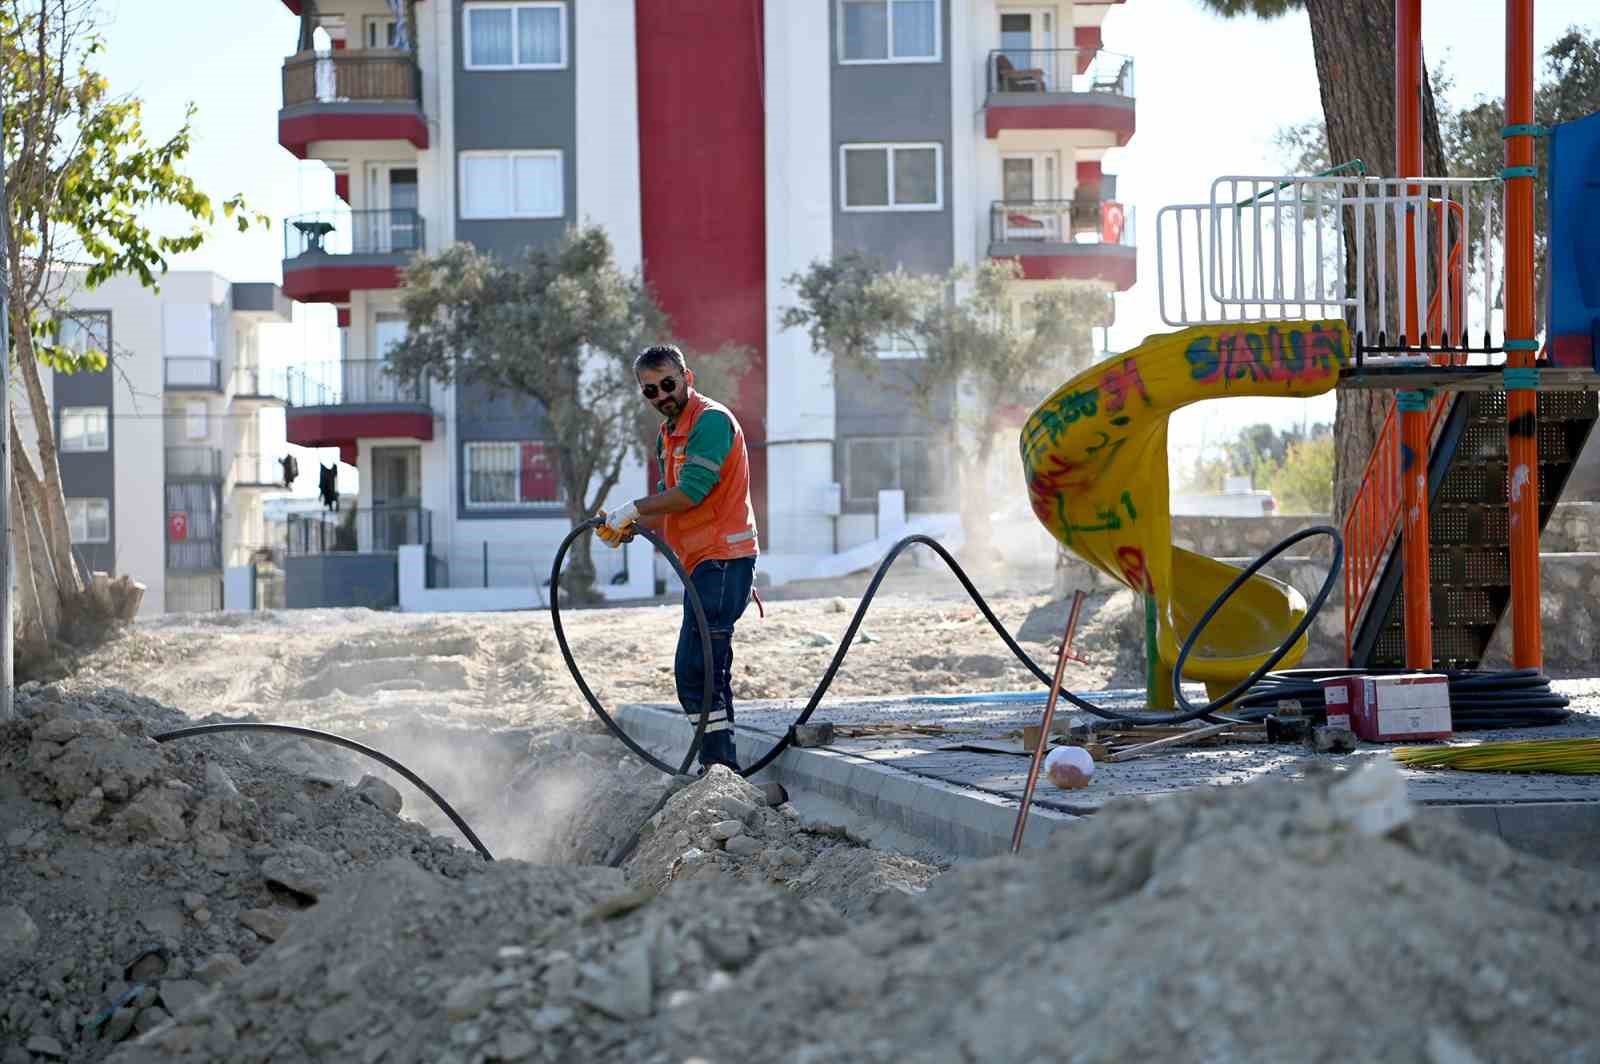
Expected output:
(702, 509)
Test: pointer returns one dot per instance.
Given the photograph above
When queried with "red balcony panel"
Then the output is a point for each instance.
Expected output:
(1113, 117)
(337, 427)
(1112, 263)
(325, 283)
(297, 132)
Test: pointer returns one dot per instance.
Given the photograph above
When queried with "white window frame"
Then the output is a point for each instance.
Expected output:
(373, 29)
(66, 441)
(81, 507)
(515, 504)
(510, 157)
(893, 348)
(938, 38)
(890, 147)
(469, 9)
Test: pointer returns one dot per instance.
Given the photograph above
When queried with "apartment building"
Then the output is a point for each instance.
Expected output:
(160, 452)
(724, 145)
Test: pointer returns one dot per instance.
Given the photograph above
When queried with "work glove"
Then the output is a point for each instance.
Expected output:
(616, 528)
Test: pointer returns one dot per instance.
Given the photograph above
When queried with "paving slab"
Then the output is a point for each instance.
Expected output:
(965, 802)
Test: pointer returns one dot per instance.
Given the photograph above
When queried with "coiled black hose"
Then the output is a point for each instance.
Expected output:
(349, 744)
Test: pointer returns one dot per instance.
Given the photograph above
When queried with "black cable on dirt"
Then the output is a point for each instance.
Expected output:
(1185, 714)
(349, 744)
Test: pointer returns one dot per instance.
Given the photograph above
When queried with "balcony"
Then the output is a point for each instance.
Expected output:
(337, 403)
(1066, 240)
(329, 254)
(194, 463)
(192, 374)
(256, 472)
(257, 387)
(369, 94)
(381, 529)
(1060, 89)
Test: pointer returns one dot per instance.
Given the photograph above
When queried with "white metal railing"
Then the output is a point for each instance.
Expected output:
(1273, 248)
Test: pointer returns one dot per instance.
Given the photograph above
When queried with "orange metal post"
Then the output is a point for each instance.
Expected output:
(1522, 406)
(1414, 434)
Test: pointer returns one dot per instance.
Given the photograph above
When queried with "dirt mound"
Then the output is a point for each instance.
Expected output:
(1275, 921)
(720, 828)
(134, 874)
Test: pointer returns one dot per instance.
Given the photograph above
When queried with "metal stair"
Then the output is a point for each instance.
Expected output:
(1469, 538)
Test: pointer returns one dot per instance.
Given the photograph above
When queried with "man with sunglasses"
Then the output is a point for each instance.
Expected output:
(702, 509)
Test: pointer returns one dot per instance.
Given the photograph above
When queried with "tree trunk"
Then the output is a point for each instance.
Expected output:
(1354, 45)
(51, 496)
(50, 599)
(31, 641)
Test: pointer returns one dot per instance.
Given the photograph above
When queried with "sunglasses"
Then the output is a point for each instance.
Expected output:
(668, 386)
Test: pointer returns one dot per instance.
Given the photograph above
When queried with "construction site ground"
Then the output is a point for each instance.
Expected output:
(259, 897)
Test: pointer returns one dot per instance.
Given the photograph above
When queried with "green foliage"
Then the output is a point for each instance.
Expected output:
(1262, 9)
(964, 327)
(81, 173)
(1303, 482)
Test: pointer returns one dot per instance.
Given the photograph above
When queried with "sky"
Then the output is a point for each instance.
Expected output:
(1211, 96)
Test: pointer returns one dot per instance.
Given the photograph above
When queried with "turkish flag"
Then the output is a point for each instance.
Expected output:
(1111, 219)
(178, 526)
(538, 475)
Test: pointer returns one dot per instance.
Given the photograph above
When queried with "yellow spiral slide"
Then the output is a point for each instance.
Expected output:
(1095, 458)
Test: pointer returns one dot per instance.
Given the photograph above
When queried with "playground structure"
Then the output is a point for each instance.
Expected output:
(1296, 285)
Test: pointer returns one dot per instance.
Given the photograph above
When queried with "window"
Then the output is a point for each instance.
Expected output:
(911, 464)
(895, 346)
(888, 31)
(516, 36)
(892, 177)
(382, 31)
(521, 184)
(85, 428)
(89, 520)
(513, 473)
(85, 331)
(196, 419)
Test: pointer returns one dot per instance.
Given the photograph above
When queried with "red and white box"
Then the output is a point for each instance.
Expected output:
(1382, 709)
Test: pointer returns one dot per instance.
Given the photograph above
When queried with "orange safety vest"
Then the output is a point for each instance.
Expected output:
(723, 524)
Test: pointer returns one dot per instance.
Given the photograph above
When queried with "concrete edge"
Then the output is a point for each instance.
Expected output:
(959, 821)
(966, 823)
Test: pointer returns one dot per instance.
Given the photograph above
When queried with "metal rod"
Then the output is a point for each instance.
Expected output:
(1522, 404)
(1044, 736)
(1072, 621)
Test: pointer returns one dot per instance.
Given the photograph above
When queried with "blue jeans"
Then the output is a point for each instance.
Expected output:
(724, 589)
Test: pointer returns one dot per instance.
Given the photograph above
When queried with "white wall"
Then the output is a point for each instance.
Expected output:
(608, 125)
(800, 403)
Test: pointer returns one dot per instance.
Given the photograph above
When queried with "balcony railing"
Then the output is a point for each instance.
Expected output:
(351, 77)
(256, 383)
(194, 463)
(1061, 222)
(398, 231)
(380, 529)
(1059, 70)
(200, 374)
(351, 382)
(256, 471)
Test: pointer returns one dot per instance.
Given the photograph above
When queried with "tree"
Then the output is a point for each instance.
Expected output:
(1302, 483)
(80, 176)
(1353, 43)
(975, 361)
(560, 327)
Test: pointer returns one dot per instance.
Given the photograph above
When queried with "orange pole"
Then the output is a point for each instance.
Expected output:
(1522, 382)
(1414, 441)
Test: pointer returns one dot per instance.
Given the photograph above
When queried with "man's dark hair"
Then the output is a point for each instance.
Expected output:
(660, 357)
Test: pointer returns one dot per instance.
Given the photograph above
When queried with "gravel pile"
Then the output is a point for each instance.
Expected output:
(135, 875)
(1277, 921)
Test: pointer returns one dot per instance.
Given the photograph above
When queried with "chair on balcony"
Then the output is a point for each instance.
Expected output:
(315, 233)
(1115, 84)
(1010, 79)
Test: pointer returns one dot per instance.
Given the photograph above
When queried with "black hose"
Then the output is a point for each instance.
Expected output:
(708, 691)
(348, 744)
(1487, 699)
